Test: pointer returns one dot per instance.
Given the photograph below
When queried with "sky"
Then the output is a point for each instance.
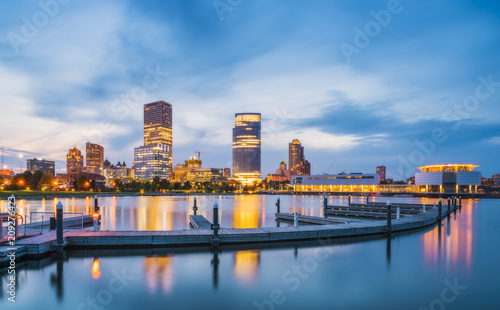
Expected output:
(359, 83)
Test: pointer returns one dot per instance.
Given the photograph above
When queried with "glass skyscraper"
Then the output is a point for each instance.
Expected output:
(45, 166)
(247, 147)
(74, 160)
(94, 158)
(158, 126)
(151, 161)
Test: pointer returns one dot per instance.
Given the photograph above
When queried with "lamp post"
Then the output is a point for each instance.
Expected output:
(20, 163)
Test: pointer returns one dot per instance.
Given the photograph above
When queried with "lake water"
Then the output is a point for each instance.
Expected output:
(452, 266)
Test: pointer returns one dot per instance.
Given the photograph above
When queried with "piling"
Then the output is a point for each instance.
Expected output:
(278, 205)
(389, 216)
(367, 199)
(215, 226)
(398, 213)
(460, 202)
(449, 206)
(423, 209)
(195, 208)
(295, 219)
(349, 202)
(96, 204)
(440, 209)
(325, 205)
(59, 226)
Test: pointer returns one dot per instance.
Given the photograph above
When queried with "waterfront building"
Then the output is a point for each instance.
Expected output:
(296, 159)
(74, 161)
(247, 148)
(193, 172)
(452, 178)
(121, 173)
(158, 127)
(45, 166)
(152, 161)
(94, 158)
(282, 174)
(487, 182)
(496, 179)
(353, 182)
(227, 172)
(381, 173)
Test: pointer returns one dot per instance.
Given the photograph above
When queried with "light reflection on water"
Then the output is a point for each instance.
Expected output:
(404, 271)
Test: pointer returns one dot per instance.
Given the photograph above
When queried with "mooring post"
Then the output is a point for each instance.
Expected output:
(389, 216)
(440, 209)
(367, 198)
(195, 208)
(96, 204)
(95, 216)
(434, 206)
(398, 213)
(460, 202)
(349, 202)
(325, 205)
(295, 219)
(423, 209)
(449, 205)
(59, 226)
(278, 205)
(215, 225)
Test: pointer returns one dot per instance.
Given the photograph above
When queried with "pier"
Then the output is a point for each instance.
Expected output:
(412, 217)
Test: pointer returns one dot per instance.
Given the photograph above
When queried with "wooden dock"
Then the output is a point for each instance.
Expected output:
(199, 222)
(314, 220)
(44, 244)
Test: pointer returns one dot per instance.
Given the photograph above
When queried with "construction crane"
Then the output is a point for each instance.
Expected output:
(199, 153)
(328, 170)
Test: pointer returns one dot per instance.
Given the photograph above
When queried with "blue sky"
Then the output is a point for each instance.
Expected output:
(362, 83)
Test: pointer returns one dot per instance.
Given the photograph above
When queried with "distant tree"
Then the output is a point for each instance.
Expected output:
(18, 182)
(155, 184)
(177, 186)
(187, 185)
(46, 179)
(146, 185)
(35, 179)
(117, 183)
(164, 184)
(82, 182)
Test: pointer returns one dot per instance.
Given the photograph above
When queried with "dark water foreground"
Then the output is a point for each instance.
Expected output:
(454, 266)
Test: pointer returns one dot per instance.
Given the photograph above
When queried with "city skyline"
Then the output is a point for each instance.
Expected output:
(342, 105)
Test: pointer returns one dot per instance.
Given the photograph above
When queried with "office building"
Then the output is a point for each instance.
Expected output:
(152, 161)
(247, 147)
(45, 166)
(282, 174)
(381, 173)
(448, 178)
(94, 158)
(496, 179)
(296, 159)
(193, 172)
(74, 161)
(158, 127)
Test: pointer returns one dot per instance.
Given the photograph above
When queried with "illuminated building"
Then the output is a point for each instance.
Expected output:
(113, 173)
(247, 147)
(282, 174)
(158, 127)
(152, 161)
(496, 179)
(296, 159)
(381, 173)
(192, 171)
(45, 166)
(94, 158)
(74, 161)
(456, 178)
(488, 182)
(354, 182)
(227, 172)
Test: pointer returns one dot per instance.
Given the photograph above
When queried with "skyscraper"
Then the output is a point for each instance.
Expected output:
(296, 159)
(381, 173)
(247, 147)
(74, 160)
(158, 126)
(94, 158)
(43, 165)
(151, 161)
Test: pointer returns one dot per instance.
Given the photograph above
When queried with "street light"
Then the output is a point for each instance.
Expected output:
(20, 163)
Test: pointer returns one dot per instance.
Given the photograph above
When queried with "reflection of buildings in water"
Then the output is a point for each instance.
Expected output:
(154, 214)
(246, 213)
(96, 269)
(453, 245)
(158, 272)
(246, 265)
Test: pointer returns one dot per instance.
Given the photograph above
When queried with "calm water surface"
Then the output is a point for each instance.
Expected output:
(453, 266)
